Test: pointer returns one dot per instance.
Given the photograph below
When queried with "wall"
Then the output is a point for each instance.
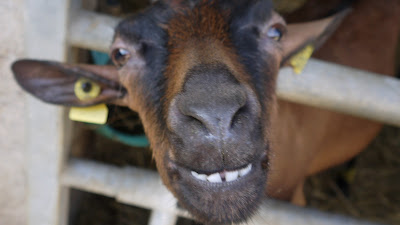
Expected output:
(13, 179)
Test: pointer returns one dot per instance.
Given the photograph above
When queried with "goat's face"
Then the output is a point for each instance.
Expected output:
(202, 77)
(206, 107)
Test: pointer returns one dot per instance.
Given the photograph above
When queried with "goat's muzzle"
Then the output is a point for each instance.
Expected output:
(217, 141)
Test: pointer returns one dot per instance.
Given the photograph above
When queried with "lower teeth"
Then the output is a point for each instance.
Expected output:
(225, 176)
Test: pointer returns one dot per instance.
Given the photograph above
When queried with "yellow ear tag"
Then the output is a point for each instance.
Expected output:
(299, 60)
(93, 114)
(85, 89)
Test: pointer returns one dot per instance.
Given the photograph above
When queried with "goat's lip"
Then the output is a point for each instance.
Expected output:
(221, 178)
(223, 202)
(224, 175)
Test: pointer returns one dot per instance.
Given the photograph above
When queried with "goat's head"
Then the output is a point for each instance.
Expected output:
(201, 75)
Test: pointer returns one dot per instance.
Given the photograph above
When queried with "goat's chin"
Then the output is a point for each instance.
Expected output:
(221, 202)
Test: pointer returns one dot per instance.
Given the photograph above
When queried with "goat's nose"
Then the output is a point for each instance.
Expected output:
(214, 120)
(212, 98)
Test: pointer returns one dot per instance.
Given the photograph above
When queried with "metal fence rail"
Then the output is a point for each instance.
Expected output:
(91, 30)
(343, 89)
(322, 84)
(143, 188)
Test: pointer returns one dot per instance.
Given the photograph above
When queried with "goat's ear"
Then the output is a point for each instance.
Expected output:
(70, 85)
(309, 35)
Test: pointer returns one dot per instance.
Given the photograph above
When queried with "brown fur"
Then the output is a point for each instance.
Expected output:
(189, 31)
(366, 40)
(203, 22)
(199, 36)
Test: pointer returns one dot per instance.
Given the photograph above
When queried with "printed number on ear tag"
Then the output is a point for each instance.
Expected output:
(93, 114)
(299, 60)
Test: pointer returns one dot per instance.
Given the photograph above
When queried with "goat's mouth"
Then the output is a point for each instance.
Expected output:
(224, 176)
(221, 197)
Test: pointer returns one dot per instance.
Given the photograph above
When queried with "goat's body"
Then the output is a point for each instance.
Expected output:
(317, 139)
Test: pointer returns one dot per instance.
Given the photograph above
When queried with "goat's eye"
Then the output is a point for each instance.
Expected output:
(120, 56)
(275, 33)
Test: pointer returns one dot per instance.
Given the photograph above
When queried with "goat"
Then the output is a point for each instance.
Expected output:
(202, 76)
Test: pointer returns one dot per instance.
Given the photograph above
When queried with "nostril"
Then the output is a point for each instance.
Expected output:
(187, 111)
(193, 121)
(180, 117)
(187, 119)
(237, 119)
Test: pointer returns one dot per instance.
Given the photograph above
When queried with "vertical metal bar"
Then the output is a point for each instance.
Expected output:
(45, 33)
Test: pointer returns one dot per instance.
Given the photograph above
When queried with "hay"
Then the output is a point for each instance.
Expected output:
(373, 193)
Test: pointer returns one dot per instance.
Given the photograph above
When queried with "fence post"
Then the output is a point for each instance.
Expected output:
(45, 34)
